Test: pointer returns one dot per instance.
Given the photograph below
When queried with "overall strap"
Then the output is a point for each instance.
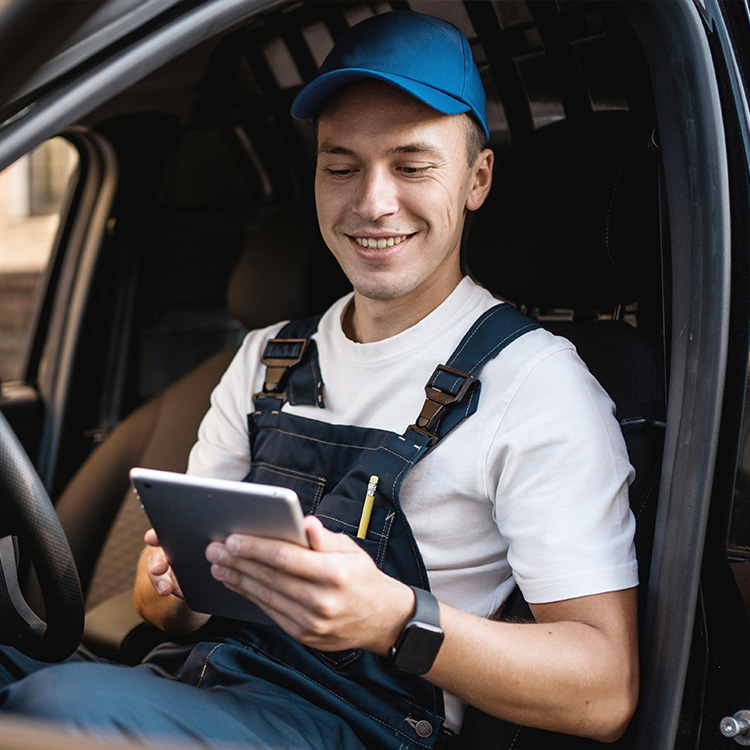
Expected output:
(293, 350)
(452, 392)
(453, 389)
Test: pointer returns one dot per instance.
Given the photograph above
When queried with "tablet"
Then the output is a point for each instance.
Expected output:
(188, 512)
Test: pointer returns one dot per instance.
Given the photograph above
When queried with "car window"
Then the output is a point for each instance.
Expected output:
(32, 192)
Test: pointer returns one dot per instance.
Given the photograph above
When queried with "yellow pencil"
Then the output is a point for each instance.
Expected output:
(364, 521)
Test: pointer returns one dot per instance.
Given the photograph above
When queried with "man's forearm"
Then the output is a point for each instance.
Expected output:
(568, 676)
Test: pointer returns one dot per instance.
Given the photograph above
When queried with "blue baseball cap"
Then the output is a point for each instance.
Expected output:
(419, 54)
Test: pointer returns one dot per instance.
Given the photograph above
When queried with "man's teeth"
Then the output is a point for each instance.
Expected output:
(380, 243)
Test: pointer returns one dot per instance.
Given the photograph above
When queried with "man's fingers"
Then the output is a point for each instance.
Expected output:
(151, 538)
(160, 573)
(315, 595)
(286, 555)
(324, 540)
(266, 559)
(274, 574)
(241, 550)
(237, 570)
(295, 606)
(280, 596)
(158, 564)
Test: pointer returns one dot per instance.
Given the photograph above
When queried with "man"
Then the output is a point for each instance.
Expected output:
(525, 481)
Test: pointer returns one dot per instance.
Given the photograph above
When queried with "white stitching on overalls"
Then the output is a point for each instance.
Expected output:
(205, 663)
(290, 472)
(403, 458)
(517, 333)
(515, 738)
(349, 525)
(317, 440)
(384, 537)
(351, 655)
(487, 356)
(492, 312)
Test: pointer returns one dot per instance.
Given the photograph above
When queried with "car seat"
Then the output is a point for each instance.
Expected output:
(279, 275)
(570, 233)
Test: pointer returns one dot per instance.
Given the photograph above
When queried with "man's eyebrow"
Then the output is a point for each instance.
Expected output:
(333, 149)
(418, 147)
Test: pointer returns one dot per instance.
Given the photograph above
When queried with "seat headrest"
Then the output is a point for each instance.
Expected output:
(572, 218)
(285, 271)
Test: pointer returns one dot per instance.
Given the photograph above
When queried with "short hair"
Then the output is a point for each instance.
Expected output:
(476, 141)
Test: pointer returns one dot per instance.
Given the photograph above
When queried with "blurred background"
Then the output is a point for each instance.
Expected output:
(32, 192)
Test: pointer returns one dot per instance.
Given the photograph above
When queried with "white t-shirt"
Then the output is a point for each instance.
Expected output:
(531, 489)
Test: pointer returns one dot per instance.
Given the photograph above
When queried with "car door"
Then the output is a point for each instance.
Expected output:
(698, 68)
(51, 54)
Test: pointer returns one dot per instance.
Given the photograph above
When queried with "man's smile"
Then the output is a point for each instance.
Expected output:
(379, 243)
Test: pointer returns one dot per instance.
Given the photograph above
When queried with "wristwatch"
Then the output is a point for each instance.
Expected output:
(420, 640)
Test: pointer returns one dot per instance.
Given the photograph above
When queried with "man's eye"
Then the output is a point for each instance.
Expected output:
(340, 172)
(413, 170)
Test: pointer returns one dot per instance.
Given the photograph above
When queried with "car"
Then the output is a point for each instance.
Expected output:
(168, 209)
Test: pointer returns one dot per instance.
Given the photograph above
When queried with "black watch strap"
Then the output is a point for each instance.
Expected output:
(420, 640)
(426, 608)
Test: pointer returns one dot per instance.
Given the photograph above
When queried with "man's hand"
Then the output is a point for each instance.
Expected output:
(330, 597)
(158, 569)
(155, 585)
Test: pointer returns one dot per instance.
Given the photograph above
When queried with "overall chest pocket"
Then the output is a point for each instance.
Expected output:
(307, 456)
(309, 487)
(342, 514)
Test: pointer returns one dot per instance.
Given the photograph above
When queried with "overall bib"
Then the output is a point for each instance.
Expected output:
(329, 466)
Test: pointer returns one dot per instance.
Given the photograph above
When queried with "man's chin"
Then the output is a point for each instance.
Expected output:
(381, 292)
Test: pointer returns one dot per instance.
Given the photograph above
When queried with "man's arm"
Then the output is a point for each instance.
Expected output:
(575, 670)
(157, 597)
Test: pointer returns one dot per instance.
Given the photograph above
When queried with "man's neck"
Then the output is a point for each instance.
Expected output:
(367, 320)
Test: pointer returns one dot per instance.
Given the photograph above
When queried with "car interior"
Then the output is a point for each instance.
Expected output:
(190, 220)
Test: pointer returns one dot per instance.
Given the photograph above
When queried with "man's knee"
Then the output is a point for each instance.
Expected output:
(73, 693)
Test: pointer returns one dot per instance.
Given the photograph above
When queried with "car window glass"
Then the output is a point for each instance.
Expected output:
(31, 197)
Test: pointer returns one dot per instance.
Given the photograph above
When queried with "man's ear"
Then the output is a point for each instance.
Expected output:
(482, 182)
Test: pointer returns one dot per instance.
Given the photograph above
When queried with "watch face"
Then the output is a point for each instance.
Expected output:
(418, 648)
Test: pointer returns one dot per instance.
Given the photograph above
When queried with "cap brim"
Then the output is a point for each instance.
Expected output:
(311, 99)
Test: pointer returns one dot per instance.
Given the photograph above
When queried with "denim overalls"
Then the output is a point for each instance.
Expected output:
(329, 466)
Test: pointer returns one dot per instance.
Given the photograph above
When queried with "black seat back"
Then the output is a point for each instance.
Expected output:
(570, 233)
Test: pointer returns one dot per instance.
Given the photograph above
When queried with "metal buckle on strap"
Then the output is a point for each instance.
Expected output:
(277, 366)
(437, 400)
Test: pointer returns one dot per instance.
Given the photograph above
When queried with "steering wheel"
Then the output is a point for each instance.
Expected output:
(28, 516)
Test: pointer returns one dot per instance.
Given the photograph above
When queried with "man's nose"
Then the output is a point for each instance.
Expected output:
(376, 195)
